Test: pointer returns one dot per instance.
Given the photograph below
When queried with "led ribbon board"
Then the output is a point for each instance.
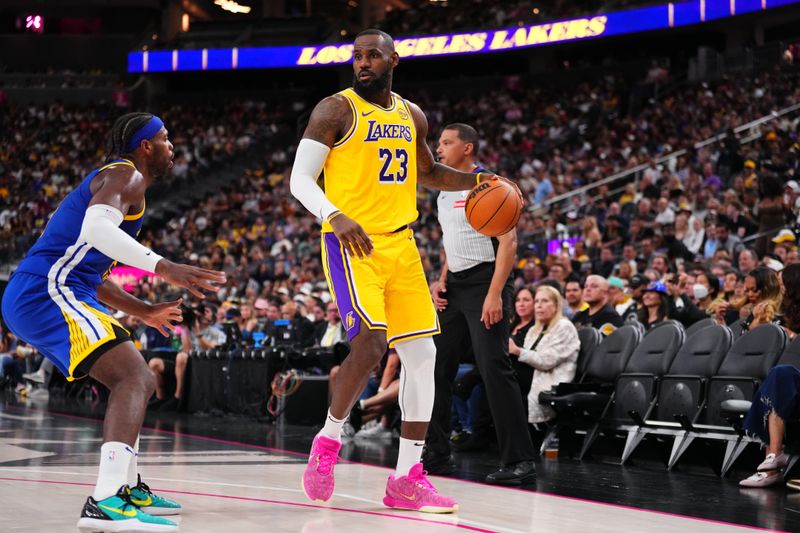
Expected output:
(672, 15)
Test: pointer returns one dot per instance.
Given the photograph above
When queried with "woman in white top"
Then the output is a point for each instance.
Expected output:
(695, 235)
(551, 348)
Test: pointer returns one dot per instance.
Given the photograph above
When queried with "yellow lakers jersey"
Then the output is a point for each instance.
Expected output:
(371, 172)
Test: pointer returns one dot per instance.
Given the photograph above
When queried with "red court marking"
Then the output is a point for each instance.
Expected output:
(276, 502)
(547, 494)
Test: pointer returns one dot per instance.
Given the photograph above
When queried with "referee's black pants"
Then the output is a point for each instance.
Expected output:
(461, 325)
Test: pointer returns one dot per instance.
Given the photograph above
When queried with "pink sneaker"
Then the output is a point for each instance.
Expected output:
(318, 479)
(414, 492)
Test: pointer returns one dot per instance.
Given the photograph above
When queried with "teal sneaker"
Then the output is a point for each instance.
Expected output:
(143, 497)
(118, 513)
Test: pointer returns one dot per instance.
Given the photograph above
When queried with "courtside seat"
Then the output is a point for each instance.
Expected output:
(734, 410)
(635, 323)
(736, 397)
(682, 393)
(791, 355)
(744, 367)
(590, 339)
(636, 388)
(697, 326)
(608, 360)
(737, 329)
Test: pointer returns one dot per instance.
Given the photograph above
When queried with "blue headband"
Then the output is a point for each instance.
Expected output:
(146, 132)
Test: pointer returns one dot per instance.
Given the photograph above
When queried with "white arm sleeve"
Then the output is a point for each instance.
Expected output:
(308, 163)
(101, 229)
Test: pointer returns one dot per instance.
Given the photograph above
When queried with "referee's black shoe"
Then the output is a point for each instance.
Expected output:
(514, 475)
(438, 464)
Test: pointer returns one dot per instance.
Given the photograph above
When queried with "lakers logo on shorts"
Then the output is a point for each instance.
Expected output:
(349, 321)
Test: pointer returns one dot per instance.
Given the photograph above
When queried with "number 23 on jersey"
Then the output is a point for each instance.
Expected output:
(387, 156)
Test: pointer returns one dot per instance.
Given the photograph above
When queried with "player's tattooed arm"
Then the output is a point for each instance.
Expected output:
(441, 177)
(329, 121)
(430, 173)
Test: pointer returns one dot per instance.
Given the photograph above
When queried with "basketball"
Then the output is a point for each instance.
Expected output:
(493, 207)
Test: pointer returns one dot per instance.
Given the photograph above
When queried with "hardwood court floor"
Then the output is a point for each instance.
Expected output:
(240, 475)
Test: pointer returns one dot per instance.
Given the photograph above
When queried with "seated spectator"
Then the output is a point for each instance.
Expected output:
(600, 314)
(681, 307)
(303, 329)
(380, 394)
(197, 332)
(330, 331)
(655, 304)
(573, 296)
(706, 292)
(469, 393)
(247, 321)
(761, 303)
(777, 398)
(10, 369)
(550, 348)
(522, 321)
(636, 287)
(617, 295)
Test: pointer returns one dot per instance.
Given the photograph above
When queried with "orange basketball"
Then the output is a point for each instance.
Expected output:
(493, 207)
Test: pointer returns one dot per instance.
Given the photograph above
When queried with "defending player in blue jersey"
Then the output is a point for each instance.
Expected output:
(54, 301)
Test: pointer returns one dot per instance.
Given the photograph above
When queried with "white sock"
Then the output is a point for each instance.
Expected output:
(410, 454)
(133, 467)
(114, 460)
(333, 427)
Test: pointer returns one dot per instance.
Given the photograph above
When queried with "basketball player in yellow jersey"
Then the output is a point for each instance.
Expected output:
(371, 145)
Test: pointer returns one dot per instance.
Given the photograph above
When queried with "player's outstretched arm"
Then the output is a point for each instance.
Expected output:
(162, 316)
(436, 175)
(330, 118)
(118, 192)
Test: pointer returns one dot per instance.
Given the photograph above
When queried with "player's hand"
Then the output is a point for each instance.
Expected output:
(352, 235)
(439, 287)
(488, 177)
(492, 312)
(190, 278)
(163, 316)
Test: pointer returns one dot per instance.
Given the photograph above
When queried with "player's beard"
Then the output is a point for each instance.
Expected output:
(374, 87)
(160, 171)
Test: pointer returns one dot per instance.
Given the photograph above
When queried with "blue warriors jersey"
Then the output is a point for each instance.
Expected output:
(58, 254)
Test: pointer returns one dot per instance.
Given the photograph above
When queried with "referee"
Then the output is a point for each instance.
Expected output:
(474, 297)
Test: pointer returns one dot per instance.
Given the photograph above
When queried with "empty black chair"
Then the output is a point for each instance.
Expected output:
(636, 388)
(697, 326)
(791, 354)
(633, 321)
(734, 410)
(681, 394)
(737, 329)
(606, 363)
(744, 367)
(590, 338)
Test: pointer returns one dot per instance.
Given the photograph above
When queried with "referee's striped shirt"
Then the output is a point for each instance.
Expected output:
(465, 247)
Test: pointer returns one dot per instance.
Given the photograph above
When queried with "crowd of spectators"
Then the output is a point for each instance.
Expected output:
(684, 241)
(47, 150)
(427, 17)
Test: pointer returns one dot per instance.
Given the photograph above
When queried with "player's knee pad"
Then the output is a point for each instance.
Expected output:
(418, 358)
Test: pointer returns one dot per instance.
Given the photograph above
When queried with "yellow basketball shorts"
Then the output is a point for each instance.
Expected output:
(386, 290)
